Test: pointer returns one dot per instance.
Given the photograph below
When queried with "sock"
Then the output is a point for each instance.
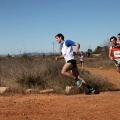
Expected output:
(89, 87)
(76, 79)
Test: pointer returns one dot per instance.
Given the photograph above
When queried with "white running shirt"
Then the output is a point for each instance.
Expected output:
(67, 50)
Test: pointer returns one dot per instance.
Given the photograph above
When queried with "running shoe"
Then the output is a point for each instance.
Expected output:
(79, 83)
(90, 91)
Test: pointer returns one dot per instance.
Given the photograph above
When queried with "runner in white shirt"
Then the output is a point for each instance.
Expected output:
(82, 60)
(70, 65)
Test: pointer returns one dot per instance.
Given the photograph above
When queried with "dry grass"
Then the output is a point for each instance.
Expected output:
(98, 82)
(21, 73)
(99, 62)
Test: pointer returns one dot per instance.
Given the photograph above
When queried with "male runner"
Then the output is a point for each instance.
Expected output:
(114, 52)
(70, 65)
(118, 38)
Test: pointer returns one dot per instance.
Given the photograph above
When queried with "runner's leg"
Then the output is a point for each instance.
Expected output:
(65, 70)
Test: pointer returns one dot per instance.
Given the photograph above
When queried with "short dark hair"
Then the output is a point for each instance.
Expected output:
(118, 33)
(113, 37)
(60, 35)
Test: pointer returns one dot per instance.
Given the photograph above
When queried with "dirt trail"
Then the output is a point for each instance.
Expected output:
(104, 106)
(112, 75)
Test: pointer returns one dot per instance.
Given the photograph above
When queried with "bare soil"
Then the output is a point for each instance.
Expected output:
(110, 74)
(103, 106)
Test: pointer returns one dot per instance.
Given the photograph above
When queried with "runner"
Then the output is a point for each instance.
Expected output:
(82, 56)
(114, 52)
(70, 65)
(118, 38)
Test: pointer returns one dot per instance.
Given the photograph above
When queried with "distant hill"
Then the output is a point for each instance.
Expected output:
(29, 54)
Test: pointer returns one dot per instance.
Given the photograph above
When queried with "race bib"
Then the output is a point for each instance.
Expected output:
(117, 54)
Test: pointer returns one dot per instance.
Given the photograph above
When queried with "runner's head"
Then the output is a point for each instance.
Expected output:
(113, 39)
(118, 36)
(59, 38)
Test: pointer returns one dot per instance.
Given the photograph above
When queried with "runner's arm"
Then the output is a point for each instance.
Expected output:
(77, 47)
(59, 58)
(110, 54)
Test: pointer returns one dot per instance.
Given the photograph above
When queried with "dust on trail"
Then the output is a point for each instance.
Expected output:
(111, 74)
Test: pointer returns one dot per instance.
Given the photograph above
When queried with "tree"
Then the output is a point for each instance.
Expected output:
(97, 50)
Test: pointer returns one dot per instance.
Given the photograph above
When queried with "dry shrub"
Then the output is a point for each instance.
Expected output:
(99, 62)
(98, 82)
(22, 73)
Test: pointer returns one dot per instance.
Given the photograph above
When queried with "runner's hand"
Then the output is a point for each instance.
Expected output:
(111, 58)
(57, 58)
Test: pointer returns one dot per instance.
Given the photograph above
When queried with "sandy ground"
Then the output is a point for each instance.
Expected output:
(103, 106)
(112, 75)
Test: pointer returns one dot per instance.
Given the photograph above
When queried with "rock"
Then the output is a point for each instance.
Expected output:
(3, 89)
(29, 91)
(72, 90)
(47, 91)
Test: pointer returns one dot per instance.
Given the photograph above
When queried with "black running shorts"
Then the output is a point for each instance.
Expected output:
(117, 63)
(73, 62)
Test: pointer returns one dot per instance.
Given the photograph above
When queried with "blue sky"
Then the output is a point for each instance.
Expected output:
(31, 25)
